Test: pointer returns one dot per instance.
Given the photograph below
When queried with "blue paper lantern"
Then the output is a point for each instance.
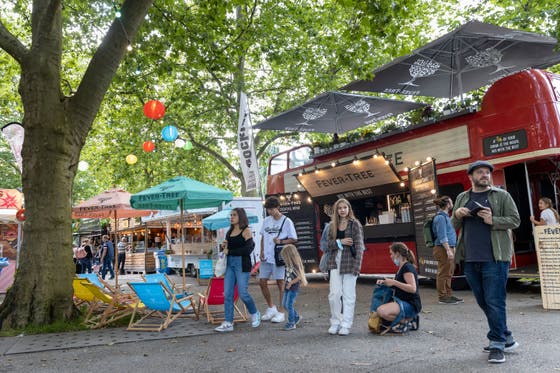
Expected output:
(169, 133)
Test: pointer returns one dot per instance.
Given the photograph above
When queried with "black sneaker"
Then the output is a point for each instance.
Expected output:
(458, 300)
(510, 347)
(447, 300)
(496, 356)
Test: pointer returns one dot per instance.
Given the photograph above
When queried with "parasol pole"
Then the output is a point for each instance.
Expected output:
(116, 256)
(182, 243)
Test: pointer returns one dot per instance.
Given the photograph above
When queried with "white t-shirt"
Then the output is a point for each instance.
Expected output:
(269, 231)
(548, 216)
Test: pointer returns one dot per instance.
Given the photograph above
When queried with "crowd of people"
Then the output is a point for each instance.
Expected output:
(483, 216)
(94, 257)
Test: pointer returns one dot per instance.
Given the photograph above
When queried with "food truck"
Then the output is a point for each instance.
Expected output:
(391, 179)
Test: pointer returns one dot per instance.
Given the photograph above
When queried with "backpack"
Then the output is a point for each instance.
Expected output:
(81, 252)
(429, 236)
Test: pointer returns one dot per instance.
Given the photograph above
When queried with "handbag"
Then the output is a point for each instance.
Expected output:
(381, 294)
(323, 262)
(221, 265)
(278, 247)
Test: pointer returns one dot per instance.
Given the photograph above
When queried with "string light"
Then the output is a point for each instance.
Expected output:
(129, 48)
(316, 170)
(309, 199)
(355, 161)
(417, 163)
(402, 184)
(387, 162)
(406, 169)
(428, 159)
(118, 14)
(333, 164)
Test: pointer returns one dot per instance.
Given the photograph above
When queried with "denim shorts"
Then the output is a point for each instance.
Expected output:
(407, 310)
(271, 271)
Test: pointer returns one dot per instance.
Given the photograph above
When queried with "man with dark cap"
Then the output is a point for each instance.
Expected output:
(485, 216)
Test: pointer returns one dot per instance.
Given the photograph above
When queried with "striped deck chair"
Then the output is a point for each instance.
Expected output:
(159, 303)
(114, 307)
(172, 287)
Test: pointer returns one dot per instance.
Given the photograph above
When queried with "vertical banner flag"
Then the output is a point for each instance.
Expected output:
(13, 132)
(249, 165)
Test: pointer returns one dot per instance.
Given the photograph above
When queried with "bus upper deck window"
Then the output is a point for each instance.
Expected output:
(279, 163)
(300, 157)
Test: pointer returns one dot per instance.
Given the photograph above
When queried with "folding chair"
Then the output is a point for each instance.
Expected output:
(205, 270)
(95, 279)
(161, 303)
(114, 307)
(213, 302)
(172, 287)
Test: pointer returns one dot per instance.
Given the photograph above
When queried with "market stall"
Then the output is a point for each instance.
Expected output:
(10, 235)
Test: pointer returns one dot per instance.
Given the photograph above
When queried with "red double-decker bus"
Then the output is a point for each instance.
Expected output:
(517, 129)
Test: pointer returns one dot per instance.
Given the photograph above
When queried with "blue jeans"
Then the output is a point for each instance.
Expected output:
(235, 276)
(488, 282)
(107, 265)
(288, 303)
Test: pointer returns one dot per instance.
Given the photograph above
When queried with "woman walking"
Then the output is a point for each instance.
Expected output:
(238, 247)
(345, 248)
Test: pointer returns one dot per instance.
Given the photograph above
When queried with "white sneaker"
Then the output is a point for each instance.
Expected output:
(334, 329)
(279, 317)
(269, 314)
(343, 331)
(256, 319)
(225, 327)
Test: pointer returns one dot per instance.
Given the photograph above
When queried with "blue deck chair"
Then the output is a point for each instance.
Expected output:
(172, 287)
(99, 282)
(159, 302)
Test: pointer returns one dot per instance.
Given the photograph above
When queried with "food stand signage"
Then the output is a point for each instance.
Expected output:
(359, 175)
(302, 214)
(505, 142)
(547, 242)
(423, 189)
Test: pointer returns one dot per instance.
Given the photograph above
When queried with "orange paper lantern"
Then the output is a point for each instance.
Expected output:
(149, 146)
(154, 109)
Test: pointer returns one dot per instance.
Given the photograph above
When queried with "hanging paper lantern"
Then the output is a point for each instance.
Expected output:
(149, 146)
(20, 215)
(188, 145)
(83, 166)
(169, 133)
(131, 159)
(154, 109)
(179, 143)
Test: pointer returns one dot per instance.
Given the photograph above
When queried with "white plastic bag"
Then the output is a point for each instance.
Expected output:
(221, 265)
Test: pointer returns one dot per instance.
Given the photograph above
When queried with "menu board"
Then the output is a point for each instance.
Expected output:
(547, 241)
(423, 190)
(302, 212)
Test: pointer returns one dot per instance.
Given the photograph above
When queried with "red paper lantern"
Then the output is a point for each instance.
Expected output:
(20, 215)
(154, 109)
(149, 146)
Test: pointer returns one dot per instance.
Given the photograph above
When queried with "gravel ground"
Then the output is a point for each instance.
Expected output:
(450, 338)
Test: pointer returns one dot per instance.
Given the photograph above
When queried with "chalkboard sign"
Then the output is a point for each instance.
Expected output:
(302, 212)
(423, 190)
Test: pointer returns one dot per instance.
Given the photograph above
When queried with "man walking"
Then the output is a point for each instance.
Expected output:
(485, 216)
(107, 257)
(277, 229)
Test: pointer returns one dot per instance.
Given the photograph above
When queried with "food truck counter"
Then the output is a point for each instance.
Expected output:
(395, 232)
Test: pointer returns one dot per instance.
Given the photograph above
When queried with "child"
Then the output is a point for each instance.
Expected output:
(294, 276)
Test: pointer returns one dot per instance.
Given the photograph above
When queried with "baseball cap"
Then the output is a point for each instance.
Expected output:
(477, 164)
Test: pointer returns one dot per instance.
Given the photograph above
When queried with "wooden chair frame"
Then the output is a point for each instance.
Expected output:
(214, 298)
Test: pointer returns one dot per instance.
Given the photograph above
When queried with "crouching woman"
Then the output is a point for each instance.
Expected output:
(402, 311)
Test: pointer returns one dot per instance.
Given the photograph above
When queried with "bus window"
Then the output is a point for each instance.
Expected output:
(300, 157)
(279, 163)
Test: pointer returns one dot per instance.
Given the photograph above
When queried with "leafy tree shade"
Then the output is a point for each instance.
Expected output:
(56, 127)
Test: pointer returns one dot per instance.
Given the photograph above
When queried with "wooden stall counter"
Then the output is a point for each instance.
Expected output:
(140, 263)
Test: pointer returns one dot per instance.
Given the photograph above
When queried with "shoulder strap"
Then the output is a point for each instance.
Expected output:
(281, 226)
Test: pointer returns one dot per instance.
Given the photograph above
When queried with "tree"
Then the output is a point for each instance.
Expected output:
(56, 127)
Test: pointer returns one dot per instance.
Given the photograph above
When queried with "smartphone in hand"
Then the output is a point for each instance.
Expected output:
(477, 208)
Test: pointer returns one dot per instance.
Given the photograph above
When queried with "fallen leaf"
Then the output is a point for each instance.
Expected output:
(230, 350)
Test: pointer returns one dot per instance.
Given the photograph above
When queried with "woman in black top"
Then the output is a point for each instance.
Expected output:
(406, 301)
(238, 247)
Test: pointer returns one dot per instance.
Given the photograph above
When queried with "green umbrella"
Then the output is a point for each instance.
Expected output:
(180, 192)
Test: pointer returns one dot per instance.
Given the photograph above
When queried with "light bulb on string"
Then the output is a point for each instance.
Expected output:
(180, 143)
(129, 47)
(118, 14)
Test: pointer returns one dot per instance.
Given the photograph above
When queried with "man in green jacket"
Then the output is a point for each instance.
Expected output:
(485, 216)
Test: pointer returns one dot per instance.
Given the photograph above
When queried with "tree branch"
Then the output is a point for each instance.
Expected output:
(269, 141)
(105, 62)
(214, 153)
(12, 45)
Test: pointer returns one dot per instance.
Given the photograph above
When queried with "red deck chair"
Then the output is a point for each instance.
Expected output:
(213, 302)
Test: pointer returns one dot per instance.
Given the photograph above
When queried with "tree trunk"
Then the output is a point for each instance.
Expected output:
(56, 128)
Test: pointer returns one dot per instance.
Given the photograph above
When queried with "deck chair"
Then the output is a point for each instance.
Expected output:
(159, 303)
(213, 302)
(113, 307)
(82, 295)
(172, 287)
(95, 279)
(205, 270)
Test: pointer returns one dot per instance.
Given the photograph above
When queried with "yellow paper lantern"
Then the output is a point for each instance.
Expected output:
(131, 159)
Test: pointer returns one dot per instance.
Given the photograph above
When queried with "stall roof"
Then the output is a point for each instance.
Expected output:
(176, 215)
(8, 216)
(359, 176)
